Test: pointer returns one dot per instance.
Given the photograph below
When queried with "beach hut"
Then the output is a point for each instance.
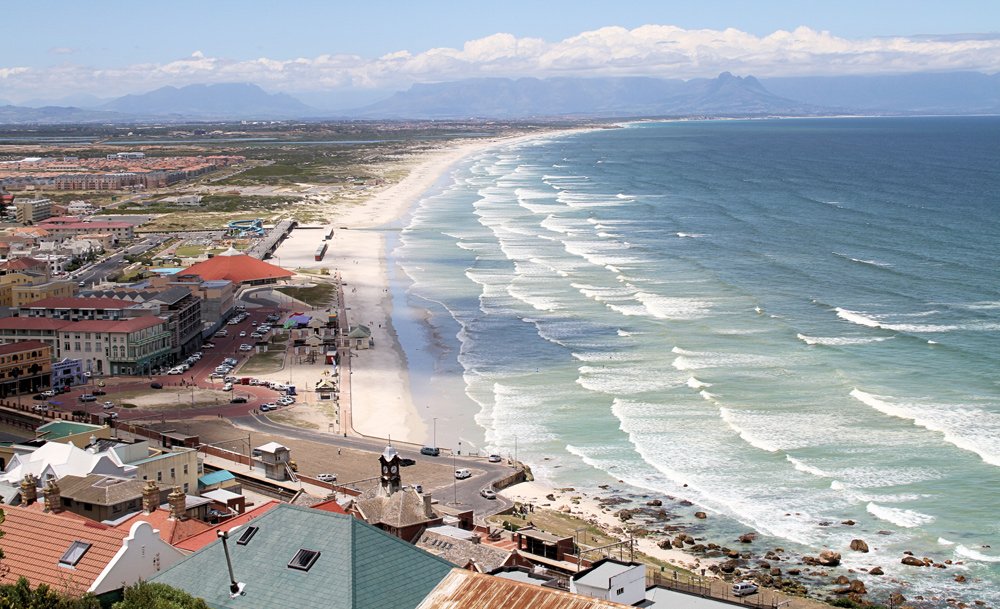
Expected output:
(325, 389)
(360, 337)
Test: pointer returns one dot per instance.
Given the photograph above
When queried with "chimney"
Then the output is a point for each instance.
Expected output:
(150, 497)
(29, 489)
(53, 500)
(428, 510)
(177, 501)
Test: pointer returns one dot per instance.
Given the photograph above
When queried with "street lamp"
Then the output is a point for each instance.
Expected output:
(435, 432)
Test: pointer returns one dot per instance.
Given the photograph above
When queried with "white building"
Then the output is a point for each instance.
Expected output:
(612, 580)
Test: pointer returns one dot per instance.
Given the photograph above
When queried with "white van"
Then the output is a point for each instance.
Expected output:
(462, 474)
(744, 588)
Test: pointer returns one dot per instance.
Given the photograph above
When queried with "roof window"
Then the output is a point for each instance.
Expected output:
(303, 560)
(247, 536)
(73, 555)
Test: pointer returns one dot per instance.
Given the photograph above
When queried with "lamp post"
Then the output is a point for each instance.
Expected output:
(454, 477)
(435, 432)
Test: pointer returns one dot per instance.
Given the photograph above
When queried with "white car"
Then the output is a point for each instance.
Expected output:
(462, 474)
(175, 371)
(286, 400)
(246, 347)
(494, 458)
(227, 387)
(326, 477)
(487, 493)
(108, 405)
(243, 333)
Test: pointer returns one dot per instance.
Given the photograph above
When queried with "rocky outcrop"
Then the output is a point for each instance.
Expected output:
(654, 503)
(748, 537)
(913, 561)
(828, 558)
(876, 571)
(700, 515)
(859, 545)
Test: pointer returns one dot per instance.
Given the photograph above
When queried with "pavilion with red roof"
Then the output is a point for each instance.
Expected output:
(239, 268)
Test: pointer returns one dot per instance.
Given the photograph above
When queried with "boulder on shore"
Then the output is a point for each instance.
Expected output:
(829, 558)
(700, 515)
(876, 571)
(748, 537)
(859, 545)
(654, 503)
(913, 561)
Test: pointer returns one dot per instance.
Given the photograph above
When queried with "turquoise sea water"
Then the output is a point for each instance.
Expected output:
(787, 322)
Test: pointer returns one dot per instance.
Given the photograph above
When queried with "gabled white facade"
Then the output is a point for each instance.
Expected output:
(142, 555)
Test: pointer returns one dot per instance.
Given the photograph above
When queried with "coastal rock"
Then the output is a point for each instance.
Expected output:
(677, 542)
(960, 579)
(686, 503)
(700, 515)
(794, 571)
(876, 571)
(913, 561)
(565, 509)
(849, 523)
(775, 571)
(624, 514)
(550, 497)
(664, 544)
(829, 558)
(748, 537)
(654, 503)
(842, 580)
(728, 567)
(896, 599)
(697, 548)
(858, 545)
(689, 541)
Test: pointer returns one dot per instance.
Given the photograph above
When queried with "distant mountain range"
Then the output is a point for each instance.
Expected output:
(511, 99)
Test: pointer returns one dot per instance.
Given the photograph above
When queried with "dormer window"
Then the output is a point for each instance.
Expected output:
(73, 555)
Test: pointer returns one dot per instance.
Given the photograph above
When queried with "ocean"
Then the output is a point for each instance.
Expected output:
(789, 323)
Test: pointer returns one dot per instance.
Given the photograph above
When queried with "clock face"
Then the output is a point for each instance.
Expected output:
(385, 469)
(394, 469)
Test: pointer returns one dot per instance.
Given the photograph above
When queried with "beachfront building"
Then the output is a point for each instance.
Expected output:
(24, 293)
(66, 227)
(239, 268)
(612, 580)
(25, 367)
(465, 589)
(127, 346)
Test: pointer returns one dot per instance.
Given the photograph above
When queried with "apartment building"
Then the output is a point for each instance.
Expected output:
(25, 368)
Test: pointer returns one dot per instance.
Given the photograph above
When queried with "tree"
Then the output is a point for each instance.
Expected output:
(22, 596)
(145, 595)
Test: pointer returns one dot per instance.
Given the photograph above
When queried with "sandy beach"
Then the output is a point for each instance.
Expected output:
(382, 404)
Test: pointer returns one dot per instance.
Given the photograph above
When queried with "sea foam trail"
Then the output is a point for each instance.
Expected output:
(869, 322)
(908, 519)
(840, 341)
(694, 383)
(975, 555)
(984, 444)
(730, 419)
(806, 468)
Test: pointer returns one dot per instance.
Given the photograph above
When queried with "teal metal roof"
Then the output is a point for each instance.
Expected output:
(359, 566)
(216, 477)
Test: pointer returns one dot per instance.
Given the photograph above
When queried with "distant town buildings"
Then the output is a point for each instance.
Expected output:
(116, 171)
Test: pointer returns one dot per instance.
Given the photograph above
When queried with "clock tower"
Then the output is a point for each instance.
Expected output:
(389, 467)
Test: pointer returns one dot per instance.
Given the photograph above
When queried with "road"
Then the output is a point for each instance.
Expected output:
(466, 491)
(101, 269)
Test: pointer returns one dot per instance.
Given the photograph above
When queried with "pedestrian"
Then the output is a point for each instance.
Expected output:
(338, 452)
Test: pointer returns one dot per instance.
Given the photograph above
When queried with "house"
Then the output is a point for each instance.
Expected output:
(463, 589)
(25, 367)
(402, 512)
(100, 498)
(360, 337)
(276, 460)
(171, 520)
(195, 542)
(215, 480)
(75, 556)
(309, 559)
(612, 580)
(56, 459)
(81, 435)
(463, 549)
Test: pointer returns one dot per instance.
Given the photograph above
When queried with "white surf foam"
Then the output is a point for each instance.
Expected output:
(975, 554)
(731, 419)
(838, 341)
(806, 468)
(870, 322)
(907, 519)
(694, 383)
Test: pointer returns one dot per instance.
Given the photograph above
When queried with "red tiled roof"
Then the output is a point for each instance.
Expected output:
(56, 302)
(31, 323)
(25, 345)
(171, 531)
(238, 269)
(330, 505)
(89, 325)
(124, 325)
(23, 263)
(34, 541)
(202, 539)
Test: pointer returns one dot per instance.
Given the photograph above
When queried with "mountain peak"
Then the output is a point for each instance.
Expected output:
(218, 100)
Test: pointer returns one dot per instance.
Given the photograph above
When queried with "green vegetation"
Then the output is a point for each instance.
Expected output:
(263, 363)
(145, 595)
(292, 421)
(318, 295)
(21, 596)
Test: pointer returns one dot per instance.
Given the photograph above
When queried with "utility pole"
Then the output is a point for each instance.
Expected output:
(435, 432)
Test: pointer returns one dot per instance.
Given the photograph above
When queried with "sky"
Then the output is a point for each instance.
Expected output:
(111, 47)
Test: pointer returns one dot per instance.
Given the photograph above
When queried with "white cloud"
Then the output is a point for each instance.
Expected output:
(650, 50)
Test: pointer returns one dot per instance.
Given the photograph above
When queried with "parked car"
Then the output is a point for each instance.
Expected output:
(175, 371)
(406, 462)
(108, 405)
(432, 451)
(208, 346)
(87, 397)
(326, 477)
(155, 385)
(487, 493)
(419, 488)
(495, 458)
(238, 400)
(245, 347)
(49, 393)
(462, 474)
(744, 588)
(39, 396)
(243, 333)
(99, 392)
(227, 387)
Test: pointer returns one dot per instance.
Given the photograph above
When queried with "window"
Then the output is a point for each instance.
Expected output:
(73, 555)
(303, 560)
(185, 469)
(159, 476)
(247, 536)
(620, 591)
(185, 487)
(173, 473)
